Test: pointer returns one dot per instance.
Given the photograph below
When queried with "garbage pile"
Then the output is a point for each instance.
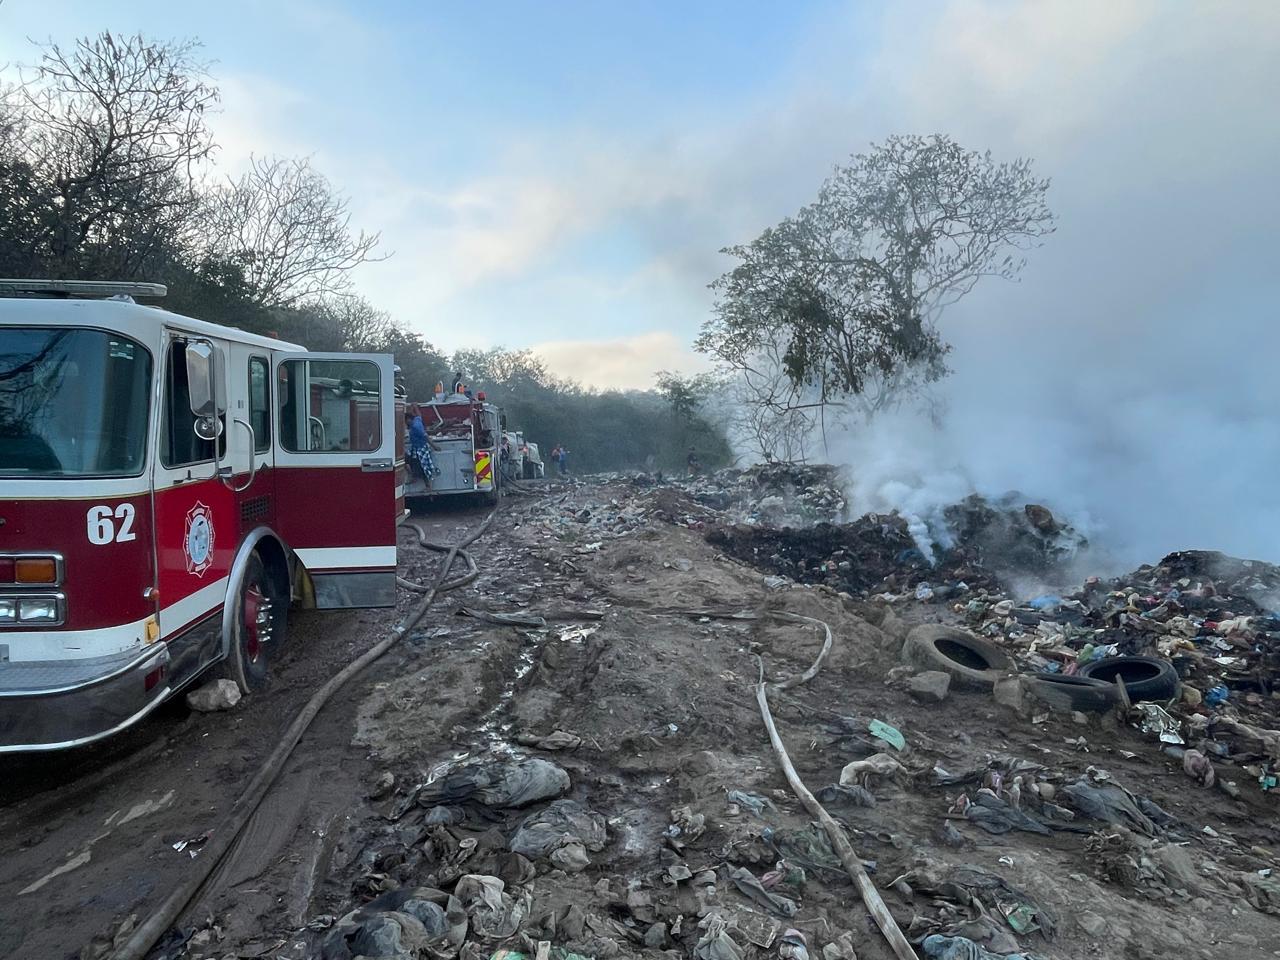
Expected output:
(982, 545)
(456, 874)
(770, 493)
(1194, 640)
(767, 495)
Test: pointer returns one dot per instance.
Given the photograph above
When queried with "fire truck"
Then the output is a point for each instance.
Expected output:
(168, 489)
(465, 433)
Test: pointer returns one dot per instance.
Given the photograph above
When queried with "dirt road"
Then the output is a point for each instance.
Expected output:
(650, 711)
(86, 837)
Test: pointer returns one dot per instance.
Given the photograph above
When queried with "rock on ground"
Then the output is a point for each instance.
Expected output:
(218, 695)
(929, 686)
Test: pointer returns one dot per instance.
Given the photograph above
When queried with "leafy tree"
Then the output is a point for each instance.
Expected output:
(838, 305)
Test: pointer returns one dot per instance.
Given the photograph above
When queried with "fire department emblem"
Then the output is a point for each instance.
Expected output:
(197, 543)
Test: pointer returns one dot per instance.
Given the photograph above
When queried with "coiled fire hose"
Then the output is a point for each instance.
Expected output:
(149, 932)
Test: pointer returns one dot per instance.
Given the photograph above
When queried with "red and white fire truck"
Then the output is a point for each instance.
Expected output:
(168, 488)
(465, 434)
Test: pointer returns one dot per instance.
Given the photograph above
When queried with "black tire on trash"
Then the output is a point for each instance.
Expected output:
(1145, 678)
(970, 661)
(1071, 693)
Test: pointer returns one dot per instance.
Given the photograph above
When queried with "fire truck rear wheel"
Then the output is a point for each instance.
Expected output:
(258, 630)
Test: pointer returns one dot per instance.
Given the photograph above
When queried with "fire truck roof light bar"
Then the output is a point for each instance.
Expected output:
(82, 288)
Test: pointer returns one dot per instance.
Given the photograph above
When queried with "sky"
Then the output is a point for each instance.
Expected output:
(562, 176)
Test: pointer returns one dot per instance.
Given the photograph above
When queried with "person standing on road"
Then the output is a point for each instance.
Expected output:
(420, 444)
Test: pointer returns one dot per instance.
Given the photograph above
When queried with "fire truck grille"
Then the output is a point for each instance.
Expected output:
(255, 509)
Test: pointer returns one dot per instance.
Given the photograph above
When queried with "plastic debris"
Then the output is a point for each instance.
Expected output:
(938, 947)
(890, 735)
(754, 802)
(1157, 722)
(1216, 696)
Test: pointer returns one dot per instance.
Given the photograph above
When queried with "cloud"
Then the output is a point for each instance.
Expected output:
(627, 363)
(257, 118)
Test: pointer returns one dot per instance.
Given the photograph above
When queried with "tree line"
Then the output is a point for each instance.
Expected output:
(107, 172)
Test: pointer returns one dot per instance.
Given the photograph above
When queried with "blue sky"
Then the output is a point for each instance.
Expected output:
(562, 175)
(542, 172)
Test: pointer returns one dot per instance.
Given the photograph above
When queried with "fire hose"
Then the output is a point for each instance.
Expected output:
(149, 932)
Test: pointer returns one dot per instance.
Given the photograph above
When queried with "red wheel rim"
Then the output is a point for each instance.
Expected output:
(257, 622)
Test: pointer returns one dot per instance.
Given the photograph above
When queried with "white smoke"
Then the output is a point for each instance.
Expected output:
(1131, 381)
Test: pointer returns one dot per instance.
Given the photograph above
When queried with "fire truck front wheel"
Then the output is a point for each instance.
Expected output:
(258, 629)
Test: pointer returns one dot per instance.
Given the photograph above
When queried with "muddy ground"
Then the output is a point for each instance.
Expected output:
(661, 699)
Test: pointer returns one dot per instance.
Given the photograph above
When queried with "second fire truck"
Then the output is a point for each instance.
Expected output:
(465, 434)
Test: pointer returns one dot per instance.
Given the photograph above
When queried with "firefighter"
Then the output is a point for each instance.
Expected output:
(419, 443)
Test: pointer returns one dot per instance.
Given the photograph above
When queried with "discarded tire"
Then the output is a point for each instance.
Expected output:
(1145, 678)
(971, 662)
(1071, 693)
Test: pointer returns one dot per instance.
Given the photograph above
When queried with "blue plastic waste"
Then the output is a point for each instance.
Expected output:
(1216, 696)
(939, 947)
(1047, 602)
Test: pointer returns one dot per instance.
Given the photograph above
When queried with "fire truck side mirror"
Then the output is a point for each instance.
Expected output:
(205, 398)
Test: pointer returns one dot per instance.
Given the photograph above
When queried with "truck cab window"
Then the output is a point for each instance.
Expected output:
(180, 446)
(260, 403)
(330, 406)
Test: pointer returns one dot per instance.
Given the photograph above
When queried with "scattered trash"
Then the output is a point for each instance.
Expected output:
(1156, 721)
(1198, 767)
(510, 783)
(494, 915)
(715, 943)
(860, 772)
(558, 740)
(191, 846)
(751, 888)
(563, 833)
(793, 946)
(938, 947)
(754, 802)
(852, 795)
(890, 735)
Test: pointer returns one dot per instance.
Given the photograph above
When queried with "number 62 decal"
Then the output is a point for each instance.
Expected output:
(102, 527)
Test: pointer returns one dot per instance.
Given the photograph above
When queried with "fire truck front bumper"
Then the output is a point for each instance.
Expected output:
(55, 705)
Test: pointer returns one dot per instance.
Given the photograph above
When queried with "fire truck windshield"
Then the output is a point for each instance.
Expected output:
(73, 403)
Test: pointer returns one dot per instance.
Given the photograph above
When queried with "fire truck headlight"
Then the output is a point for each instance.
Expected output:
(38, 610)
(8, 611)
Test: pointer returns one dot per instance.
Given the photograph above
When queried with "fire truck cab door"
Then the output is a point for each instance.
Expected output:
(335, 450)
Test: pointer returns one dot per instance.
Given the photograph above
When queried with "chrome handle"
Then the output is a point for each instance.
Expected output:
(253, 466)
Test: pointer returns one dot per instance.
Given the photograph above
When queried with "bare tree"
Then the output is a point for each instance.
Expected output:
(836, 308)
(112, 135)
(286, 228)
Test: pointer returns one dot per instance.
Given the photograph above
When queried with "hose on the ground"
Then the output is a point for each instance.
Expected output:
(871, 898)
(153, 927)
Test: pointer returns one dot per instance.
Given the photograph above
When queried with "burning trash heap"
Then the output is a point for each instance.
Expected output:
(1192, 643)
(978, 543)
